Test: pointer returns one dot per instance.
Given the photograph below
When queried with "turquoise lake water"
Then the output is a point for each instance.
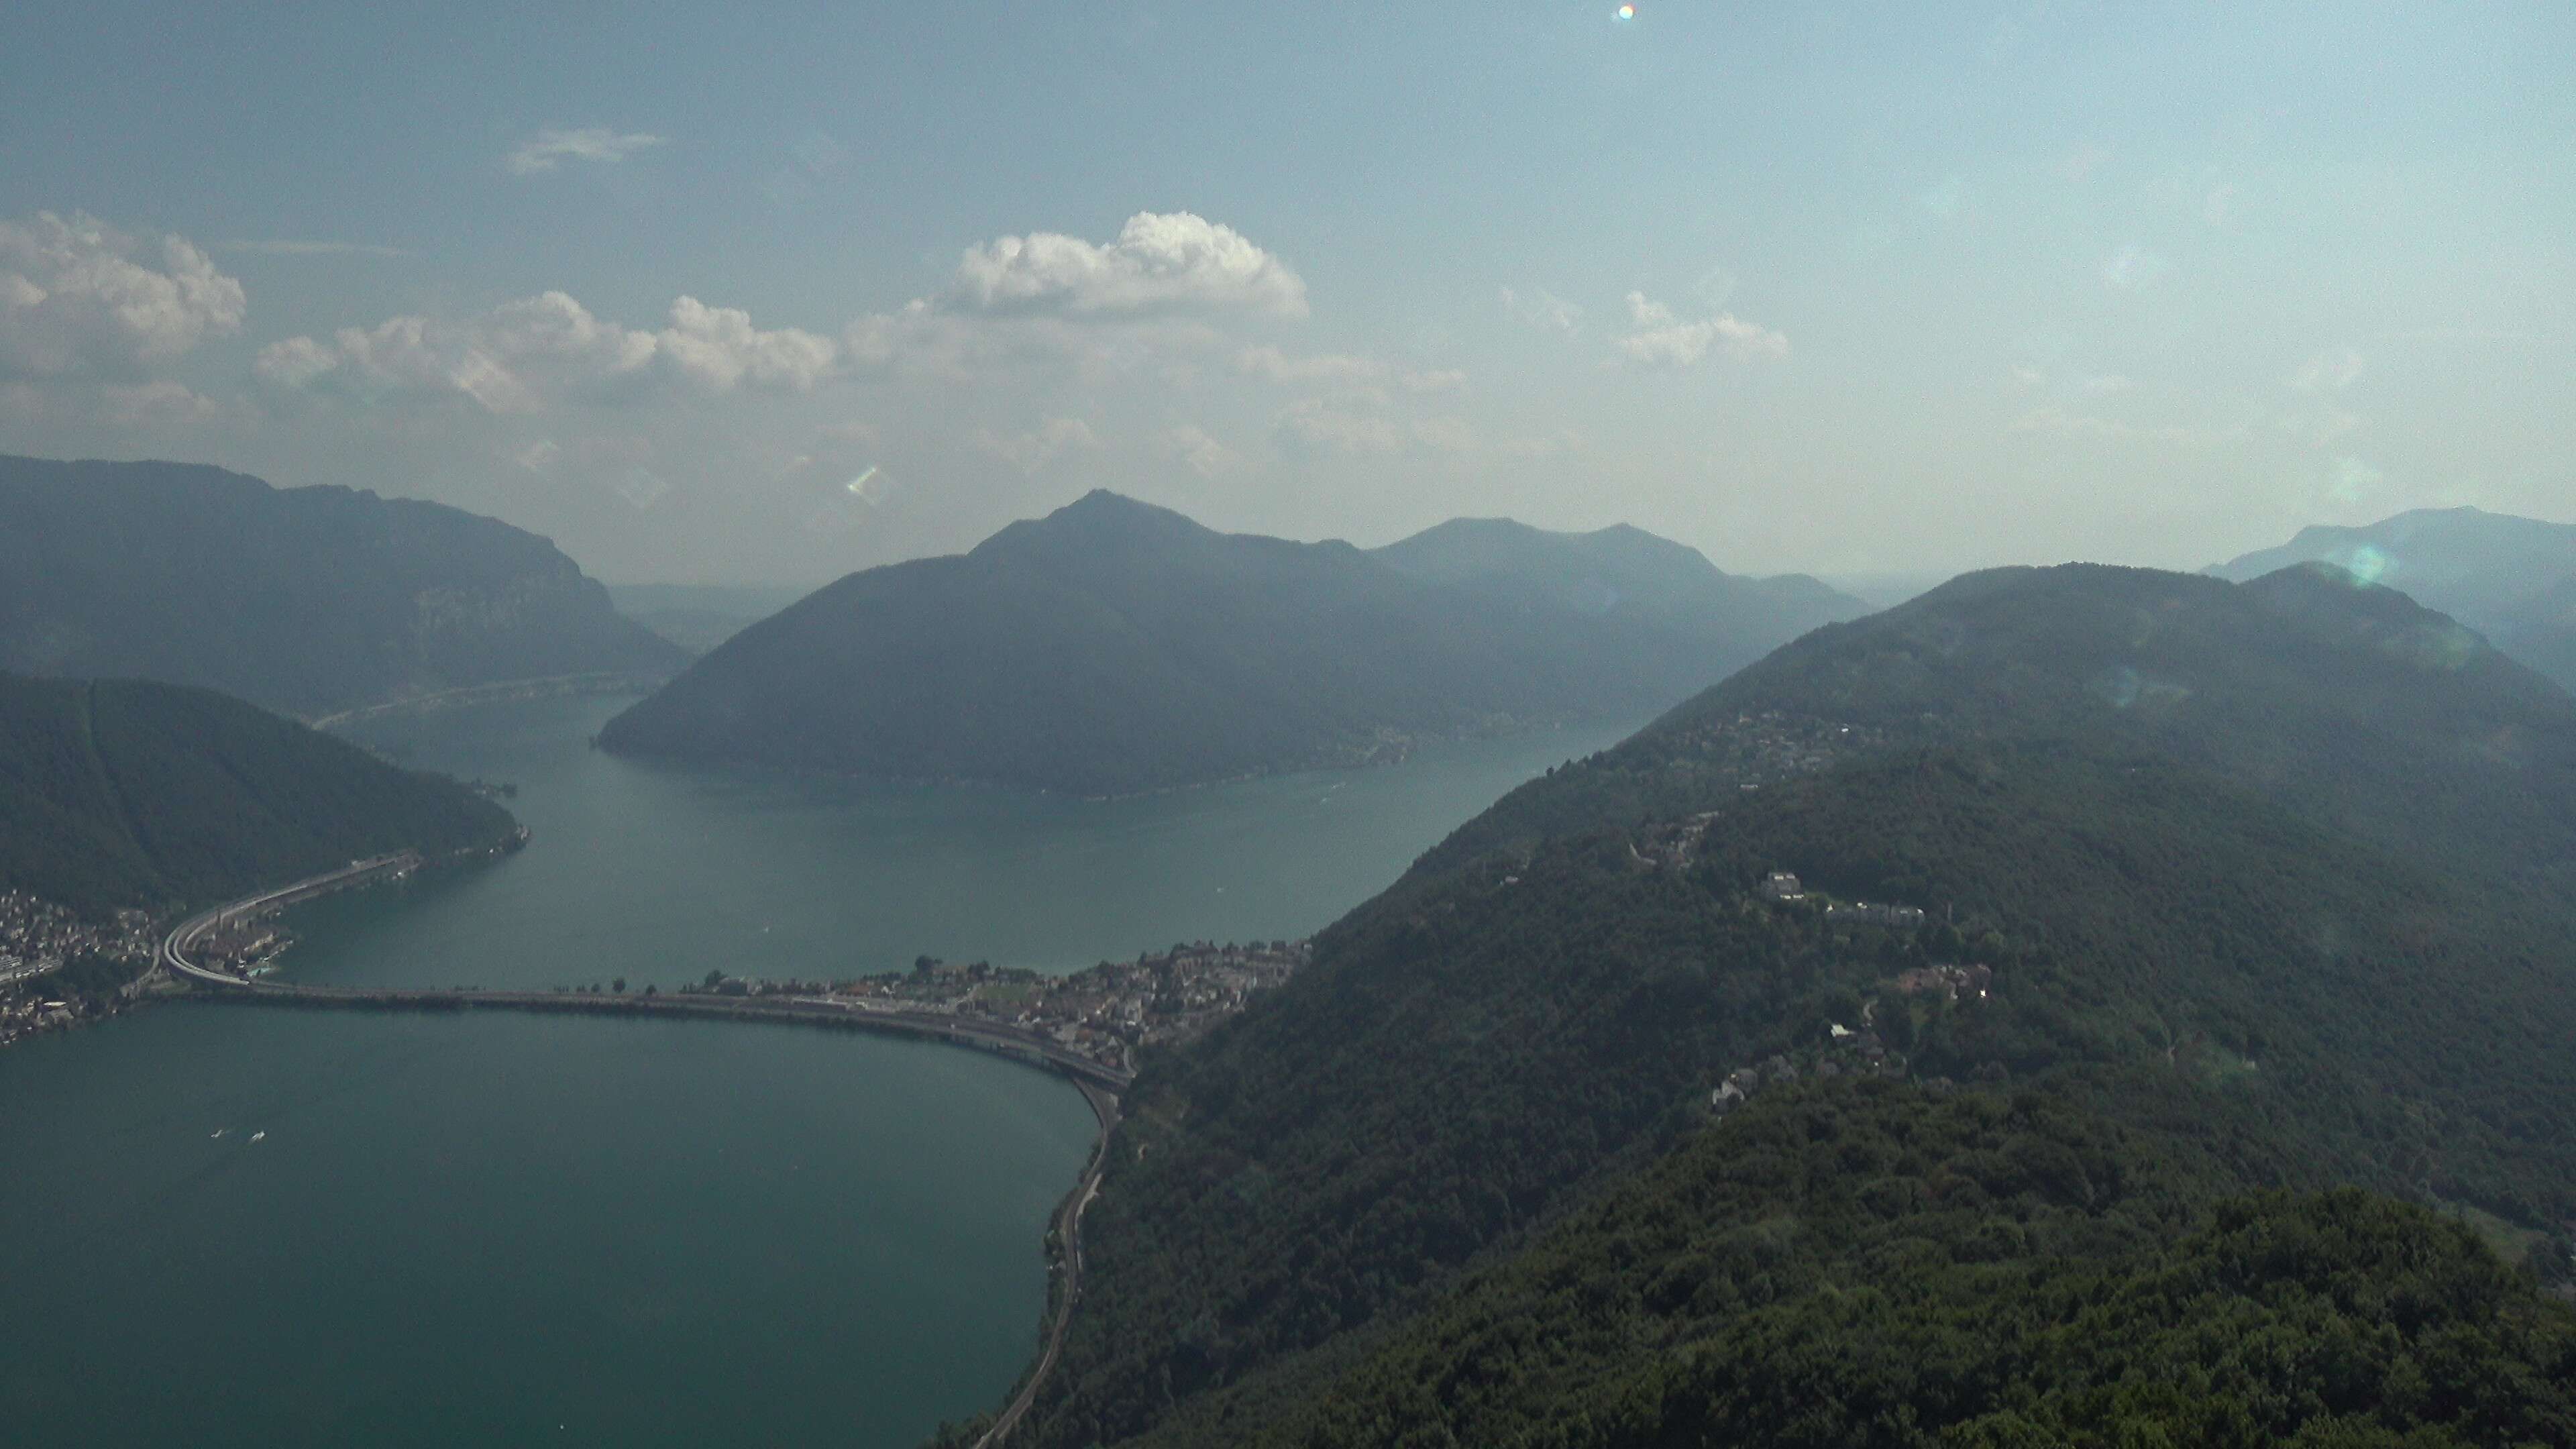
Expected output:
(541, 1230)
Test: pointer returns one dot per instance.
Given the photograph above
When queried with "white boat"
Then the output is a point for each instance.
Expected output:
(258, 1135)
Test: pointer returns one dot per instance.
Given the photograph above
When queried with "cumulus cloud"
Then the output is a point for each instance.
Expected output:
(79, 297)
(288, 247)
(1542, 310)
(1039, 446)
(158, 404)
(2328, 372)
(522, 356)
(1278, 366)
(1337, 368)
(2061, 423)
(1200, 451)
(1160, 262)
(1663, 340)
(550, 148)
(2133, 267)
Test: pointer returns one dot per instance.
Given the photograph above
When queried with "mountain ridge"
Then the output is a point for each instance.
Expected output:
(2512, 579)
(1113, 646)
(305, 600)
(2270, 873)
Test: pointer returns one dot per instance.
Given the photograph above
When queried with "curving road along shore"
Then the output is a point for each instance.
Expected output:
(1100, 1084)
(1068, 1235)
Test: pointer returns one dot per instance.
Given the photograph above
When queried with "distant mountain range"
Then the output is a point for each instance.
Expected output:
(2511, 579)
(1114, 647)
(698, 617)
(124, 793)
(304, 600)
(2269, 884)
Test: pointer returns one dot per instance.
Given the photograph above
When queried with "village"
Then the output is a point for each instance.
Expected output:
(1845, 1049)
(39, 939)
(1106, 1012)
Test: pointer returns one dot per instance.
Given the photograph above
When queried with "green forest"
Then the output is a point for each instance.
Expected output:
(1113, 647)
(2263, 912)
(117, 793)
(302, 600)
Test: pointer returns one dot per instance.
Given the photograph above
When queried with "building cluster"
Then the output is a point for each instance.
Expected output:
(1105, 1012)
(1874, 913)
(1845, 1053)
(1782, 888)
(1948, 982)
(1674, 844)
(1753, 750)
(37, 939)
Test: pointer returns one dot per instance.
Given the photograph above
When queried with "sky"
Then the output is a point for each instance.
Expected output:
(768, 293)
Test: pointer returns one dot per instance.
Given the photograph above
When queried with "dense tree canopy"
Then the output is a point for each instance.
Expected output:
(2266, 879)
(1114, 647)
(119, 793)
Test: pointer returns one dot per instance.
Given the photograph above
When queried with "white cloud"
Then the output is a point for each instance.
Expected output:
(1361, 424)
(1663, 340)
(293, 248)
(1200, 451)
(1040, 446)
(2133, 267)
(550, 148)
(1542, 310)
(2354, 480)
(1160, 262)
(1278, 366)
(2058, 422)
(78, 297)
(2328, 372)
(1338, 368)
(719, 347)
(525, 355)
(159, 404)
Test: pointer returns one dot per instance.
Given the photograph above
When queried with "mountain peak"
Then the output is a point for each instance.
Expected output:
(1099, 522)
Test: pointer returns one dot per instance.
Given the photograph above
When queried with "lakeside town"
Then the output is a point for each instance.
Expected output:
(58, 968)
(1106, 1012)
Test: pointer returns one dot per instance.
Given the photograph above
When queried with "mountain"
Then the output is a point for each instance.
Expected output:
(2238, 898)
(303, 600)
(698, 617)
(127, 794)
(1113, 647)
(2511, 579)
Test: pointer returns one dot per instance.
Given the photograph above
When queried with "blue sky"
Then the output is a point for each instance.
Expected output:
(1832, 288)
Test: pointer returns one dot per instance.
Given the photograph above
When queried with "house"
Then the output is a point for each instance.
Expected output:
(1780, 885)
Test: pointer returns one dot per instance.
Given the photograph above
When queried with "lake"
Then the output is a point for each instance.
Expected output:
(544, 1230)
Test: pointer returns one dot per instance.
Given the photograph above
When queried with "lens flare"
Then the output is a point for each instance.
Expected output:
(1625, 12)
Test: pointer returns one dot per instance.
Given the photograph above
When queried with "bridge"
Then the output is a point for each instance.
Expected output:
(998, 1037)
(1099, 1082)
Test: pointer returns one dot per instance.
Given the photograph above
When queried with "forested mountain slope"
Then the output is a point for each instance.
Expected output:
(303, 600)
(1113, 647)
(1864, 1263)
(2512, 579)
(121, 793)
(2271, 874)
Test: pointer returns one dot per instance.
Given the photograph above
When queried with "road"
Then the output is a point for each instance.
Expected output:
(184, 937)
(597, 682)
(1099, 1083)
(1068, 1230)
